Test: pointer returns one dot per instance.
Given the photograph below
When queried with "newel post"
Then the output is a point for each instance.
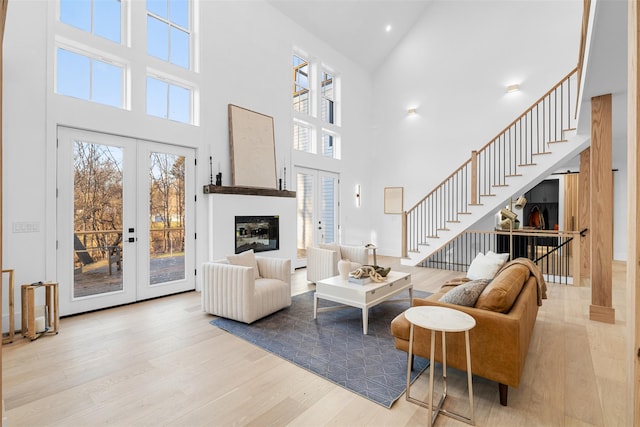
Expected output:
(404, 235)
(474, 177)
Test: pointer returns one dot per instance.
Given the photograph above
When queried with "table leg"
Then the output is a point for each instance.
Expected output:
(411, 297)
(409, 356)
(444, 365)
(431, 363)
(469, 377)
(365, 320)
(315, 305)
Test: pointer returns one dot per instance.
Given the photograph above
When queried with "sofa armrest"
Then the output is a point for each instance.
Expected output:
(358, 254)
(228, 290)
(275, 268)
(321, 263)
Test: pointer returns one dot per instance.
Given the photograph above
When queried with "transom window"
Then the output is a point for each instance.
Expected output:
(100, 17)
(168, 100)
(302, 137)
(168, 31)
(84, 77)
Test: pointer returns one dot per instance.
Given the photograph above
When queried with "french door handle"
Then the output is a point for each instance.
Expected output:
(131, 240)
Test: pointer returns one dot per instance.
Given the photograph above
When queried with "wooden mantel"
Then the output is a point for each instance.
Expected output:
(247, 191)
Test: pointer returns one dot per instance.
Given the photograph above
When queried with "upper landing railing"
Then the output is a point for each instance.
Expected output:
(506, 155)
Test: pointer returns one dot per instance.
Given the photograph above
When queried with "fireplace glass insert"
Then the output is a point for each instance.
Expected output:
(259, 233)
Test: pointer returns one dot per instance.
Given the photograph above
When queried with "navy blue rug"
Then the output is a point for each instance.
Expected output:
(334, 347)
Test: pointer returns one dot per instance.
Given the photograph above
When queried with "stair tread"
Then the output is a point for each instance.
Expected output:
(444, 229)
(543, 153)
(476, 204)
(557, 141)
(465, 213)
(433, 237)
(500, 185)
(527, 164)
(453, 221)
(514, 175)
(487, 195)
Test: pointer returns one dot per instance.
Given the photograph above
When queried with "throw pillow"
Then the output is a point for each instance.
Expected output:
(502, 257)
(503, 290)
(465, 294)
(332, 247)
(484, 267)
(245, 259)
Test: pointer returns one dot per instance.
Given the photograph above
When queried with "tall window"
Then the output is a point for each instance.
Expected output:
(327, 100)
(168, 31)
(100, 17)
(88, 78)
(168, 101)
(300, 85)
(316, 127)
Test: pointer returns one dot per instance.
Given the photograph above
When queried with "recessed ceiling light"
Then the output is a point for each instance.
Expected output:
(387, 28)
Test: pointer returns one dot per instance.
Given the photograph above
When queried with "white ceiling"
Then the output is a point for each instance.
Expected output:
(356, 28)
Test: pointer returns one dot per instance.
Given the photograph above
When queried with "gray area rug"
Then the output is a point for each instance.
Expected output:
(334, 347)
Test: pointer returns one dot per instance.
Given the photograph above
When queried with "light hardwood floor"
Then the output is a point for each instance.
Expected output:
(160, 362)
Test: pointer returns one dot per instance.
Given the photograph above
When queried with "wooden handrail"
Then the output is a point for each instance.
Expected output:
(528, 110)
(490, 166)
(440, 185)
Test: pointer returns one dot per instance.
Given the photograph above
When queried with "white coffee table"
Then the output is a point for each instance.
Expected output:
(339, 290)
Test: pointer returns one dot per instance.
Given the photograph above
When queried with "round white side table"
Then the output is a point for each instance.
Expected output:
(440, 319)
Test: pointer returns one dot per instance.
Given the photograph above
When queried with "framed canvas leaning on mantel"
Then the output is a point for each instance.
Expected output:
(252, 148)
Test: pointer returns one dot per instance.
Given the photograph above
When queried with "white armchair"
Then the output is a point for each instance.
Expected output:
(322, 261)
(234, 292)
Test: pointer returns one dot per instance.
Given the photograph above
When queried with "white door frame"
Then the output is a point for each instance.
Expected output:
(135, 244)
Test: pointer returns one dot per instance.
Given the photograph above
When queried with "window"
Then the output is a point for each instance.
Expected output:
(328, 145)
(168, 101)
(302, 137)
(88, 78)
(327, 100)
(300, 85)
(316, 127)
(100, 17)
(168, 33)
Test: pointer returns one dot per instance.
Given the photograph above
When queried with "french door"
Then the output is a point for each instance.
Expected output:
(125, 220)
(317, 194)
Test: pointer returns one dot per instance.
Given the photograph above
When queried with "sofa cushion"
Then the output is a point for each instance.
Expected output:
(245, 259)
(484, 267)
(503, 290)
(465, 294)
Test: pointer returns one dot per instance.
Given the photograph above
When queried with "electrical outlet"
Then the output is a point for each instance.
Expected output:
(26, 227)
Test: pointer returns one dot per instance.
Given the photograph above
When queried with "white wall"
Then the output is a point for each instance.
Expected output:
(245, 59)
(454, 66)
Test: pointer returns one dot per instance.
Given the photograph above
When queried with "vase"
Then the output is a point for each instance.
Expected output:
(344, 267)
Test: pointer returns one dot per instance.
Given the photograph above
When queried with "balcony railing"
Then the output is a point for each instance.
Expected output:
(556, 253)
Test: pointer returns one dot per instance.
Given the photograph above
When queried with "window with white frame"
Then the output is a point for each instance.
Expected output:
(100, 17)
(168, 31)
(301, 93)
(302, 137)
(327, 107)
(85, 77)
(328, 144)
(316, 123)
(169, 100)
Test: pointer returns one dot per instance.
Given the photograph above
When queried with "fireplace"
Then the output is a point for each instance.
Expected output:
(259, 233)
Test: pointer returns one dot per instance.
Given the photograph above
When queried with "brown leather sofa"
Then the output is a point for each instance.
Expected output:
(499, 341)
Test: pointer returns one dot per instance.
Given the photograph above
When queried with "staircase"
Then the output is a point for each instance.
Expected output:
(530, 148)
